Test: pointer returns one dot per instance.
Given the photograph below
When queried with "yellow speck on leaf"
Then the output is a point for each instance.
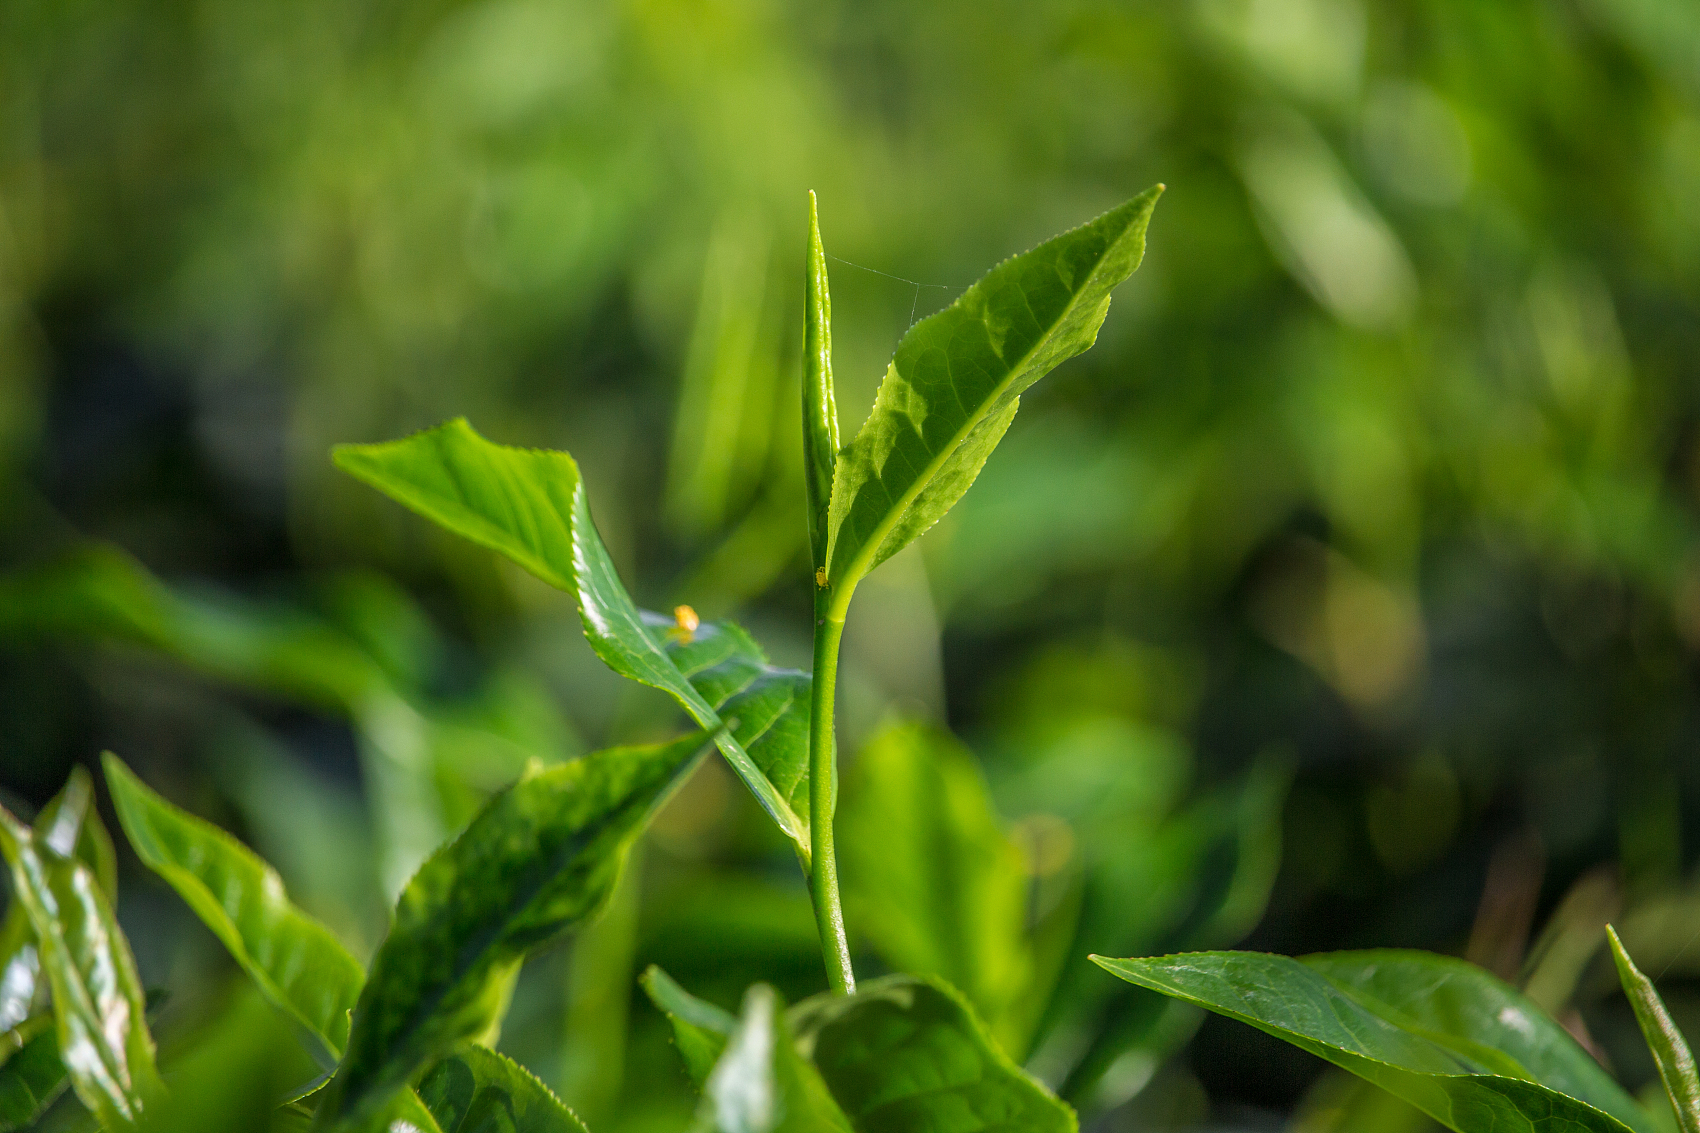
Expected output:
(820, 577)
(685, 623)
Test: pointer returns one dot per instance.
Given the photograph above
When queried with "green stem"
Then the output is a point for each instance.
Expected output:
(823, 798)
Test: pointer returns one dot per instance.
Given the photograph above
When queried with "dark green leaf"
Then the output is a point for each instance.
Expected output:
(906, 1054)
(294, 960)
(931, 879)
(956, 380)
(761, 1084)
(97, 999)
(1670, 1049)
(476, 1090)
(540, 857)
(820, 413)
(1480, 1018)
(33, 1076)
(1298, 1003)
(700, 1029)
(530, 505)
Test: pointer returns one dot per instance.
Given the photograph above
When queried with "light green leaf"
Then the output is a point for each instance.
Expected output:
(908, 1053)
(97, 998)
(294, 960)
(761, 1084)
(700, 1029)
(33, 1076)
(70, 826)
(1670, 1049)
(1297, 1002)
(530, 505)
(820, 412)
(540, 857)
(476, 1090)
(956, 380)
(931, 879)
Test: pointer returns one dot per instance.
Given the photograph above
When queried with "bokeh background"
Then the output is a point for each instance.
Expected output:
(1347, 594)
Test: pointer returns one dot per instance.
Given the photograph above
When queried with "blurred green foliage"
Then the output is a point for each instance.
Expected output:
(1381, 481)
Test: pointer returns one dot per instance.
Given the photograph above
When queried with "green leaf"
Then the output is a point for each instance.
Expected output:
(1297, 1002)
(476, 1090)
(540, 857)
(33, 1076)
(956, 380)
(530, 505)
(1480, 1018)
(932, 881)
(294, 960)
(820, 413)
(761, 1084)
(906, 1053)
(1670, 1049)
(97, 998)
(700, 1029)
(71, 827)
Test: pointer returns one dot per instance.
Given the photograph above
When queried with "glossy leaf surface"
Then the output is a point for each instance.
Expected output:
(761, 1084)
(530, 505)
(700, 1029)
(97, 998)
(540, 857)
(294, 960)
(1298, 1003)
(932, 880)
(956, 380)
(1670, 1049)
(1478, 1016)
(906, 1054)
(820, 412)
(476, 1090)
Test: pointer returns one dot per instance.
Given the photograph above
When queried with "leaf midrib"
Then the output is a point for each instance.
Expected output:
(858, 566)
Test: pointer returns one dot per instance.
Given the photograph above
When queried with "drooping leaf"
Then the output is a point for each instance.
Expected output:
(33, 1076)
(530, 505)
(700, 1029)
(820, 412)
(540, 857)
(296, 962)
(1670, 1049)
(956, 380)
(1297, 1002)
(760, 1084)
(476, 1090)
(98, 1003)
(931, 879)
(906, 1053)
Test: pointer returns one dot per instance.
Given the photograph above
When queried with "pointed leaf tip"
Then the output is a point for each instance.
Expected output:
(1670, 1049)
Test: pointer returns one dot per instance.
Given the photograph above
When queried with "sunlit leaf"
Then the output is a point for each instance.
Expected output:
(476, 1090)
(956, 381)
(820, 412)
(540, 857)
(294, 960)
(1670, 1049)
(530, 505)
(760, 1084)
(97, 998)
(700, 1029)
(1443, 1072)
(908, 1053)
(931, 878)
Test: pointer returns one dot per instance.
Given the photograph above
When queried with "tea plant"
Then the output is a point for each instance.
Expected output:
(404, 1042)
